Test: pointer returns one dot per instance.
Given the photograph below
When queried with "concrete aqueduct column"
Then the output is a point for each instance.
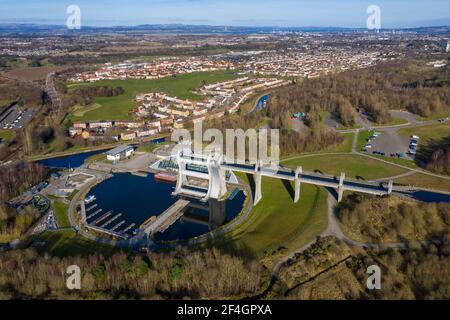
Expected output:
(298, 173)
(341, 187)
(390, 186)
(217, 180)
(258, 178)
(181, 177)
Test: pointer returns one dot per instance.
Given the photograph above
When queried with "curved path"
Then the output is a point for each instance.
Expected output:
(334, 229)
(416, 170)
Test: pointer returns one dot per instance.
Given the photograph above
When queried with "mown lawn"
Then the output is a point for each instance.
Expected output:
(277, 224)
(436, 116)
(433, 132)
(4, 102)
(7, 134)
(117, 108)
(94, 158)
(61, 214)
(421, 180)
(362, 139)
(403, 162)
(346, 146)
(354, 166)
(68, 243)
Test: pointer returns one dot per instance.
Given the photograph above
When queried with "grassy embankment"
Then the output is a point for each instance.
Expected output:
(61, 214)
(439, 115)
(68, 243)
(354, 166)
(277, 225)
(426, 134)
(7, 134)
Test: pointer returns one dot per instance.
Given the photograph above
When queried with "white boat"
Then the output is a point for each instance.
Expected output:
(89, 199)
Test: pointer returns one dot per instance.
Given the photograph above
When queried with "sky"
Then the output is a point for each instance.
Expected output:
(285, 13)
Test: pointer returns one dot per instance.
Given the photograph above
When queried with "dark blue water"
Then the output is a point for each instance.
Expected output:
(157, 141)
(139, 198)
(185, 230)
(262, 102)
(72, 161)
(426, 196)
(76, 160)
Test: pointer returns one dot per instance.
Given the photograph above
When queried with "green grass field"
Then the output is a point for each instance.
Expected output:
(95, 158)
(403, 162)
(80, 111)
(436, 116)
(436, 131)
(61, 214)
(67, 243)
(117, 108)
(362, 139)
(149, 147)
(7, 134)
(353, 166)
(346, 146)
(425, 181)
(4, 102)
(278, 224)
(342, 127)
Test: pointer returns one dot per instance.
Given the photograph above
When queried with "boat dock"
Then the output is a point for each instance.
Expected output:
(111, 233)
(92, 207)
(94, 214)
(128, 228)
(103, 217)
(117, 216)
(117, 226)
(166, 219)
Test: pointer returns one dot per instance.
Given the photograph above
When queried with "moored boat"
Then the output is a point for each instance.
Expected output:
(165, 176)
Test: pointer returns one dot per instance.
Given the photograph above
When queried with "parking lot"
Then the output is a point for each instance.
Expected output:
(16, 118)
(390, 144)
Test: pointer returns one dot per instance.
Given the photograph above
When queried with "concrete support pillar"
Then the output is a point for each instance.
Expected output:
(181, 177)
(298, 173)
(341, 187)
(390, 186)
(217, 213)
(223, 182)
(258, 190)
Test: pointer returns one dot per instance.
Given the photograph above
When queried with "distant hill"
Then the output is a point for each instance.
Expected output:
(192, 29)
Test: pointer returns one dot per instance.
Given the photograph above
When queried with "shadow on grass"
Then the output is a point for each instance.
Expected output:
(288, 186)
(333, 192)
(433, 156)
(251, 182)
